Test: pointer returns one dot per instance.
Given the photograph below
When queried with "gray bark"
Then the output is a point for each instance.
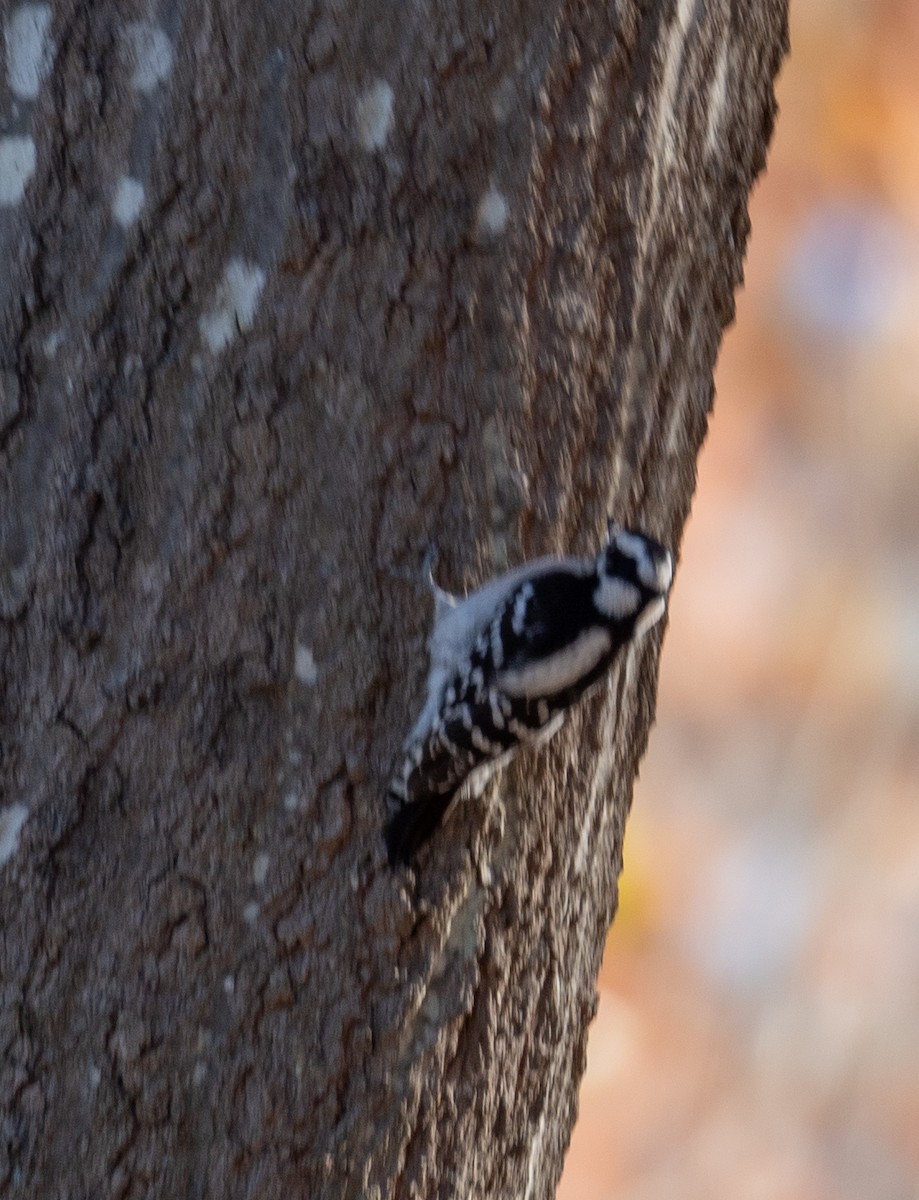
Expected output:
(398, 274)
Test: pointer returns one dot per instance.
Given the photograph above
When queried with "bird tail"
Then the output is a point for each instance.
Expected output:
(412, 825)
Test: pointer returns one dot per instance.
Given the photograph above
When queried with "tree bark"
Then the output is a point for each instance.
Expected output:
(289, 292)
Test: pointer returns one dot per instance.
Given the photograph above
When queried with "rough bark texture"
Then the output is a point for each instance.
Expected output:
(397, 273)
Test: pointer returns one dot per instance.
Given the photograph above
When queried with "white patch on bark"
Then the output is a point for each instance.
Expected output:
(250, 913)
(28, 49)
(128, 200)
(260, 867)
(17, 166)
(373, 115)
(151, 55)
(292, 801)
(235, 304)
(305, 667)
(717, 97)
(52, 342)
(534, 1158)
(491, 218)
(12, 820)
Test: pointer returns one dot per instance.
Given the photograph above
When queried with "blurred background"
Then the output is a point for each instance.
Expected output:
(758, 1028)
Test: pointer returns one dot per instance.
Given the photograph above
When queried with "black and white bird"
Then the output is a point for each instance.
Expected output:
(508, 661)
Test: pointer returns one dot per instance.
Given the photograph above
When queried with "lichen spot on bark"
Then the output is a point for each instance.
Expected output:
(150, 53)
(373, 115)
(17, 166)
(235, 304)
(12, 820)
(127, 201)
(491, 219)
(28, 49)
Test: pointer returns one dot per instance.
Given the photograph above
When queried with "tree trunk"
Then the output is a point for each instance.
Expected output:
(289, 292)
